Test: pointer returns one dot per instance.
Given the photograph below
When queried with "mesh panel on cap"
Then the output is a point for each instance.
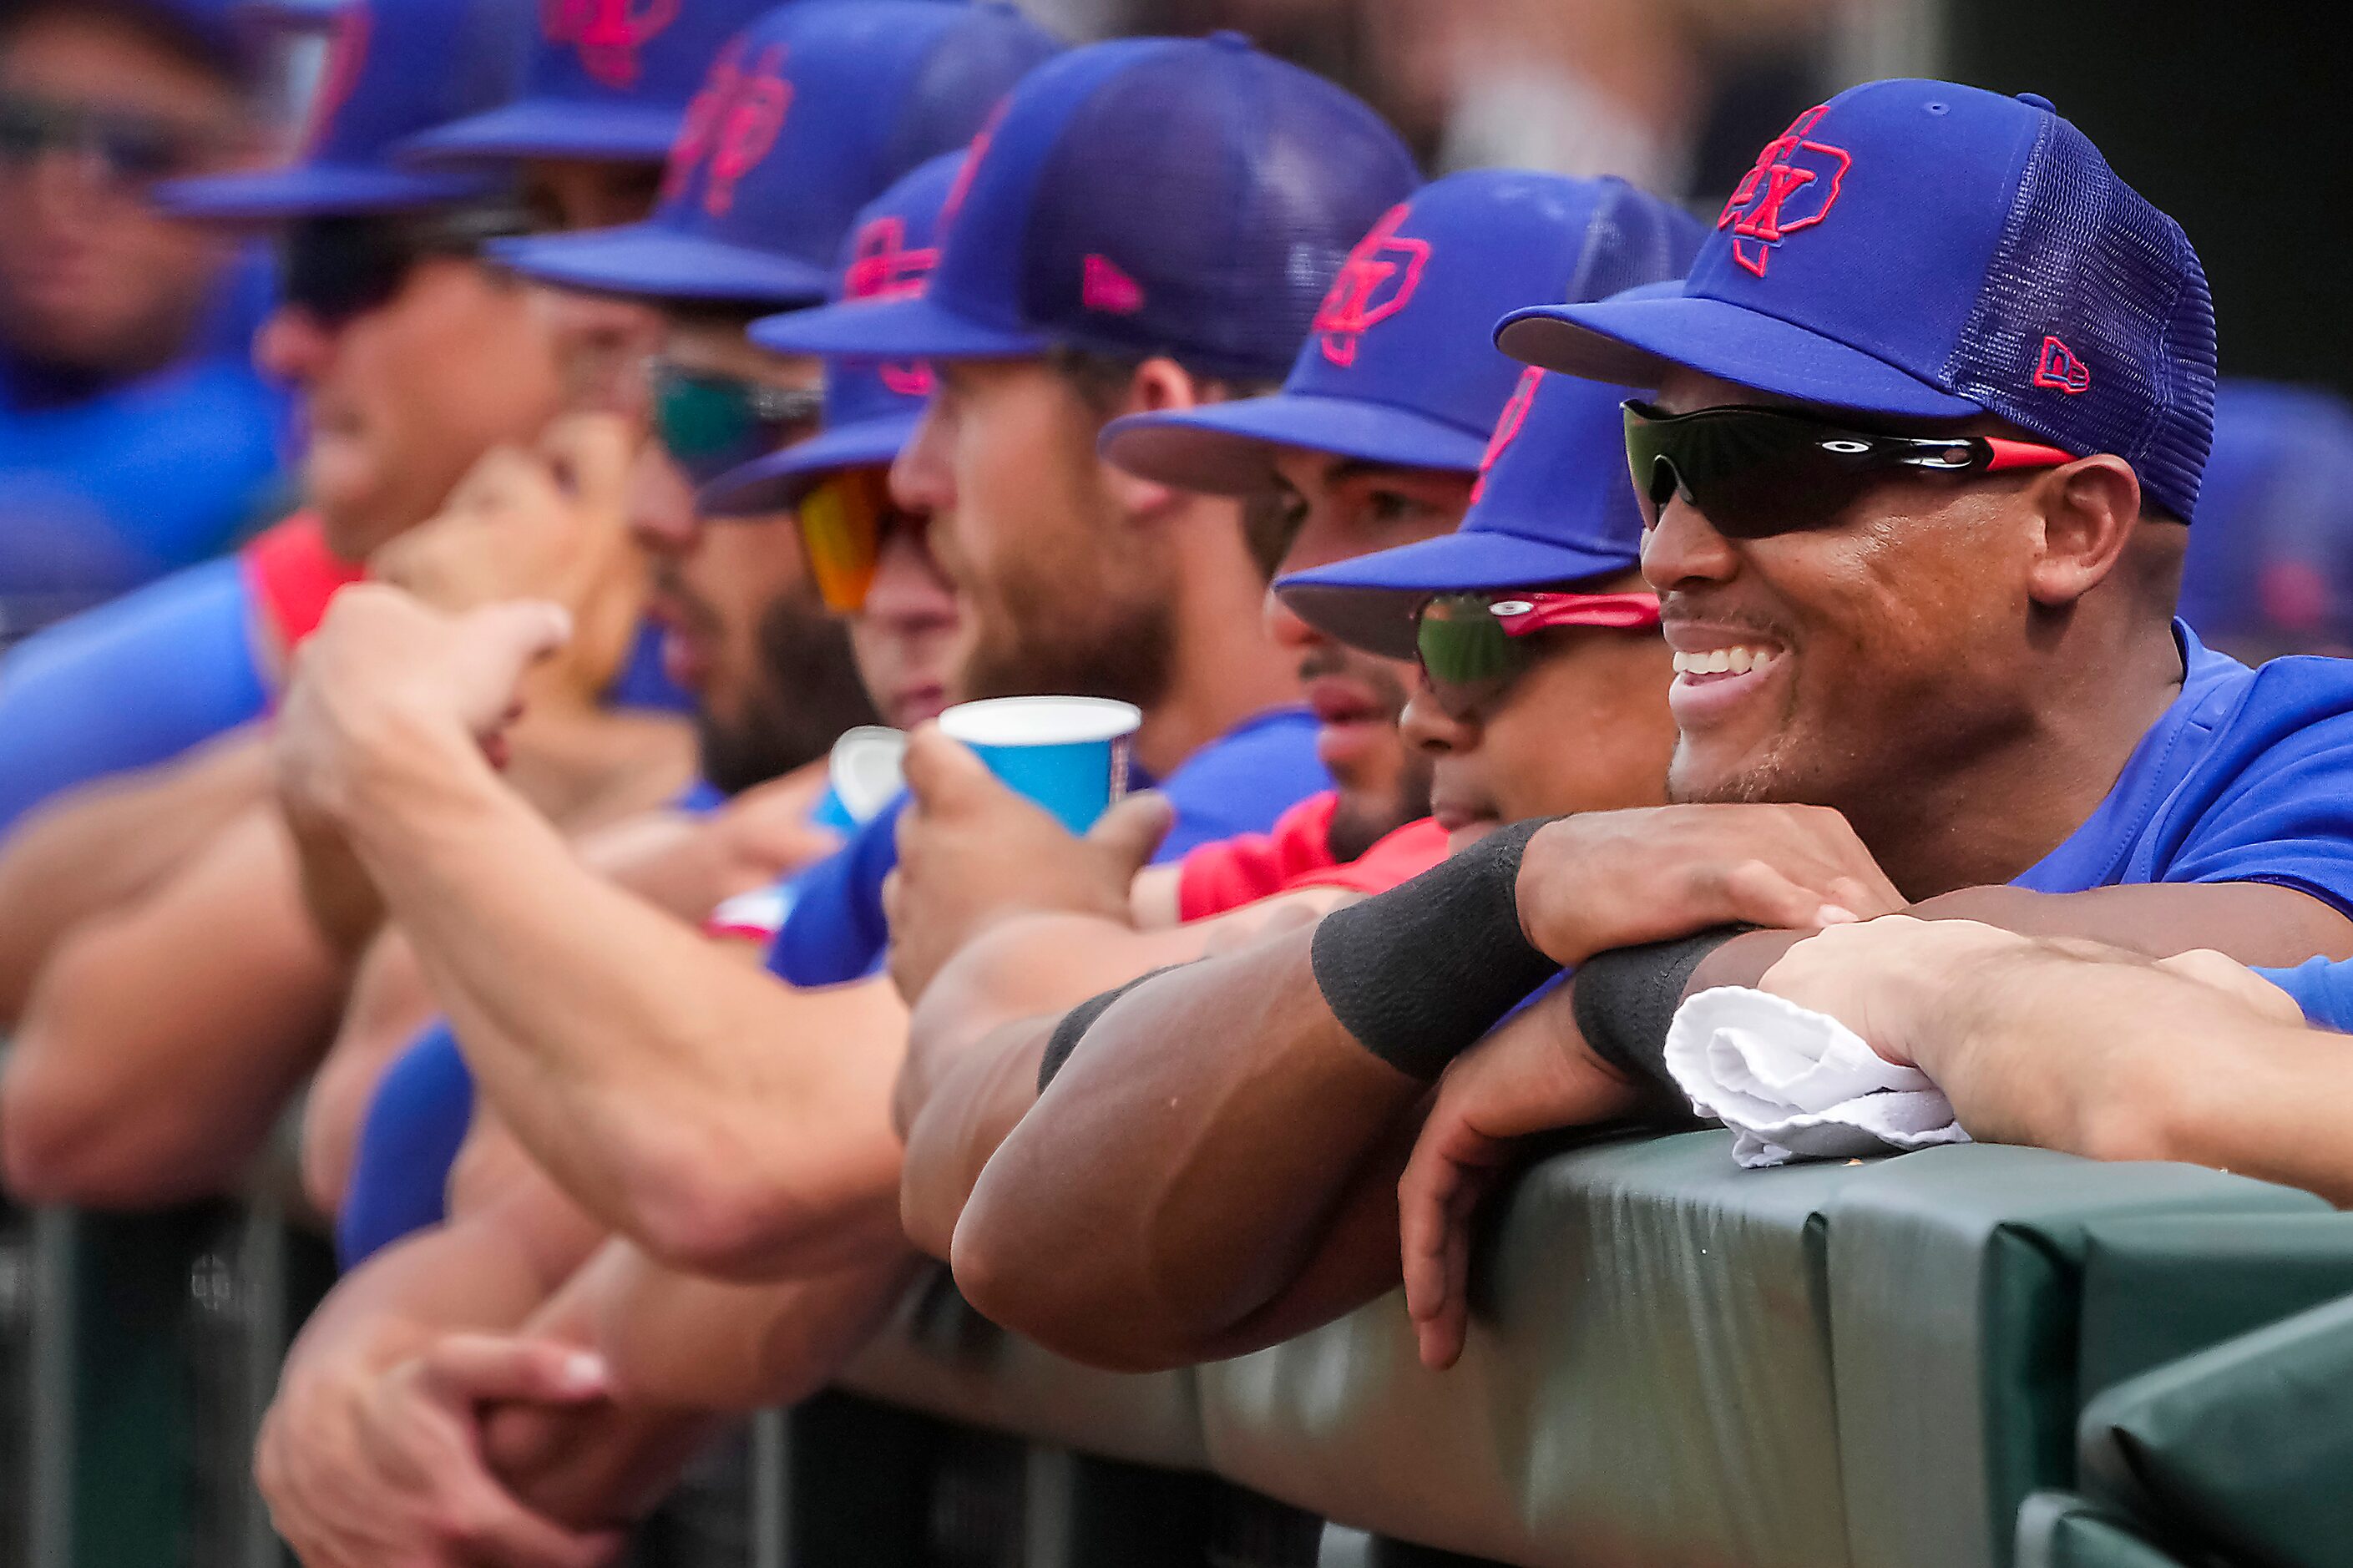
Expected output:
(960, 83)
(1211, 209)
(1633, 239)
(2084, 259)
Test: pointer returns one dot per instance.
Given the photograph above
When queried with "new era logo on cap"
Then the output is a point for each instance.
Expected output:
(608, 33)
(1375, 282)
(1793, 185)
(1924, 251)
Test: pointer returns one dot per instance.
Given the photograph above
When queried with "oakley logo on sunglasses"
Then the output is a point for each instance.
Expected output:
(1793, 185)
(1375, 282)
(2059, 370)
(608, 33)
(734, 124)
(883, 266)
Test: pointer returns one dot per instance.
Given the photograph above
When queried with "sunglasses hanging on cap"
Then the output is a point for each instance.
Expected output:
(1472, 648)
(709, 423)
(343, 266)
(1756, 472)
(128, 149)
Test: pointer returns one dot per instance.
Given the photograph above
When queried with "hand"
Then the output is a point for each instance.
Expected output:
(766, 833)
(1533, 1074)
(385, 1469)
(549, 524)
(1619, 878)
(384, 671)
(1889, 979)
(971, 852)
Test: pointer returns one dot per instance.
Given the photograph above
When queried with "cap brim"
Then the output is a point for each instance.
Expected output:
(779, 480)
(1369, 602)
(550, 128)
(1635, 342)
(650, 261)
(312, 190)
(1228, 448)
(892, 329)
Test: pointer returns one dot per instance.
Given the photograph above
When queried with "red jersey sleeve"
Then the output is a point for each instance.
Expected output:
(1237, 871)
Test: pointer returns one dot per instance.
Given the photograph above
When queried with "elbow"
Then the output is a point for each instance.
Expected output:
(2140, 1116)
(1083, 1302)
(61, 1144)
(748, 1221)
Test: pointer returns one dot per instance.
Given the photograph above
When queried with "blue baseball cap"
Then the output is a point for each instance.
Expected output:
(394, 67)
(804, 116)
(1186, 197)
(1921, 250)
(2271, 560)
(871, 409)
(608, 80)
(1555, 503)
(1399, 366)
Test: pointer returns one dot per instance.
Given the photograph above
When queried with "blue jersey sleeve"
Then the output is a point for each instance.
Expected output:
(410, 1139)
(834, 931)
(2273, 801)
(131, 684)
(1241, 782)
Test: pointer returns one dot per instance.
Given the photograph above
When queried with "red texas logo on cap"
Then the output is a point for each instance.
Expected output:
(608, 33)
(1379, 276)
(881, 266)
(1507, 429)
(2059, 370)
(1793, 185)
(734, 122)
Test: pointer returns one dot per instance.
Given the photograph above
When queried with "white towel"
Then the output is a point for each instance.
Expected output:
(1793, 1083)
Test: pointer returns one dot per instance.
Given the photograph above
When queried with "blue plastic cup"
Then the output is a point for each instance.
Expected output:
(1067, 754)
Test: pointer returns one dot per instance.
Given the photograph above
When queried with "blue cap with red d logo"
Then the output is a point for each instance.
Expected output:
(1924, 251)
(608, 80)
(871, 409)
(1399, 366)
(394, 67)
(804, 118)
(1554, 505)
(1192, 198)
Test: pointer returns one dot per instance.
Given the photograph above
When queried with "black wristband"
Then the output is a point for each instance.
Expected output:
(1079, 1019)
(1419, 972)
(1625, 998)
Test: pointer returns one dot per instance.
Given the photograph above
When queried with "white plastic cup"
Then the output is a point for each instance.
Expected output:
(1069, 755)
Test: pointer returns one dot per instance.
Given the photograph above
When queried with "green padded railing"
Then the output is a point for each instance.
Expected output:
(1874, 1364)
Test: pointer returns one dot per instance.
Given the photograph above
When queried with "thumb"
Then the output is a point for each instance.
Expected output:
(939, 769)
(485, 1369)
(1133, 828)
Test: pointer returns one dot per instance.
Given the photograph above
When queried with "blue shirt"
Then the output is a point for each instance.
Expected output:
(1240, 783)
(109, 490)
(138, 681)
(2323, 987)
(2246, 777)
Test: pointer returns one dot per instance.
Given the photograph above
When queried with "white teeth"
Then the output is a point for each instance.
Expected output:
(1723, 662)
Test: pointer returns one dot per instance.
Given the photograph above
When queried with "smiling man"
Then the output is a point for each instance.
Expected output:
(1931, 413)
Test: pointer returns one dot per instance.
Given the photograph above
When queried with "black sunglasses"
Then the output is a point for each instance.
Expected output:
(1757, 472)
(711, 424)
(130, 150)
(340, 266)
(1474, 648)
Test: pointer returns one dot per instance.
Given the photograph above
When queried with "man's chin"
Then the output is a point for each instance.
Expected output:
(1748, 779)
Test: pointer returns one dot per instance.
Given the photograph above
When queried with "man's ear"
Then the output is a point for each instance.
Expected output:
(2090, 511)
(1160, 385)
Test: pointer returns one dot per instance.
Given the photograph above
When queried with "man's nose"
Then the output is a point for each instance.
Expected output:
(1684, 549)
(662, 513)
(293, 346)
(906, 590)
(1430, 730)
(1286, 629)
(922, 477)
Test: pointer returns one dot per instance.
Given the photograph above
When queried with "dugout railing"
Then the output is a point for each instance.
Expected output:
(1965, 1357)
